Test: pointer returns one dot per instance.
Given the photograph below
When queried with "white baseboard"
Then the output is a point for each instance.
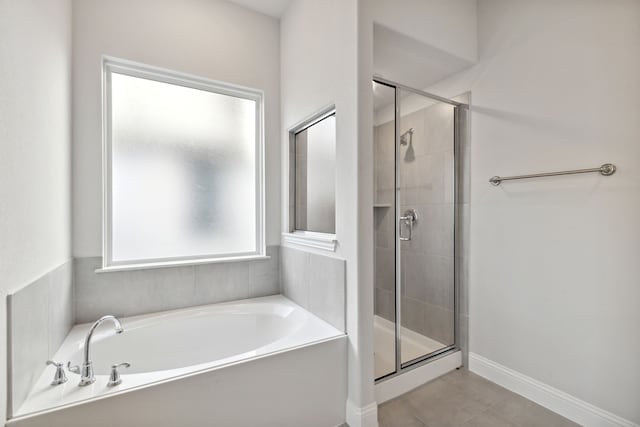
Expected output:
(394, 387)
(366, 416)
(551, 398)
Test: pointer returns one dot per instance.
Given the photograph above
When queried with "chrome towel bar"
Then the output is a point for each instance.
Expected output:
(607, 169)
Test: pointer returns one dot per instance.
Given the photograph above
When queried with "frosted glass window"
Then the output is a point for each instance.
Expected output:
(184, 170)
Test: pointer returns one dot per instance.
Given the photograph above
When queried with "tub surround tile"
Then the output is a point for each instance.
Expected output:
(221, 282)
(130, 293)
(30, 337)
(326, 289)
(315, 282)
(265, 274)
(40, 317)
(295, 285)
(61, 305)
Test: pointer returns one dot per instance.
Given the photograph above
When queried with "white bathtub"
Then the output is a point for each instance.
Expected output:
(167, 346)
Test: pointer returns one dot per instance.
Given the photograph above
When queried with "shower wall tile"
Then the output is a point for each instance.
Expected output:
(384, 223)
(413, 316)
(423, 179)
(415, 276)
(434, 232)
(316, 282)
(40, 316)
(440, 281)
(385, 304)
(429, 278)
(439, 323)
(439, 127)
(384, 220)
(385, 269)
(129, 293)
(384, 156)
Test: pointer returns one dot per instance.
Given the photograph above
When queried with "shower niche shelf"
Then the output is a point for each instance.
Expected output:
(382, 205)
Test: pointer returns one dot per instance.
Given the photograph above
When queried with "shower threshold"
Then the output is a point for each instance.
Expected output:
(413, 344)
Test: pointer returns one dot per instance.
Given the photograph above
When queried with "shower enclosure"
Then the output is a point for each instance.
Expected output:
(415, 210)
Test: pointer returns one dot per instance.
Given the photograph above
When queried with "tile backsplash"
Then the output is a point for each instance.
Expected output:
(315, 282)
(129, 293)
(40, 316)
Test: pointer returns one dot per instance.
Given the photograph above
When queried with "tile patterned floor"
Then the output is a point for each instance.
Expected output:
(461, 398)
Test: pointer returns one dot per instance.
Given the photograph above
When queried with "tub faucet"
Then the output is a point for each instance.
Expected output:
(86, 371)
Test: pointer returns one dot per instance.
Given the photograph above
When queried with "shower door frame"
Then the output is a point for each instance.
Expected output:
(400, 367)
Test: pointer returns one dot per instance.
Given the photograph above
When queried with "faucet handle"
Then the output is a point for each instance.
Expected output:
(114, 378)
(59, 377)
(73, 369)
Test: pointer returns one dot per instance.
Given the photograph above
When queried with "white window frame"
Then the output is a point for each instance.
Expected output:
(304, 238)
(135, 69)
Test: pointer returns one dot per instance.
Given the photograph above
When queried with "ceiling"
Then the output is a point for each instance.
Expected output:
(273, 8)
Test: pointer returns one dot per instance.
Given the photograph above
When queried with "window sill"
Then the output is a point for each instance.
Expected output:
(185, 263)
(320, 241)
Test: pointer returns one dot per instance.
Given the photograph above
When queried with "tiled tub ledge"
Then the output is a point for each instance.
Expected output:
(182, 359)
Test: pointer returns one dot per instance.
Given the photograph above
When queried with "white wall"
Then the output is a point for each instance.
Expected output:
(212, 39)
(319, 68)
(554, 262)
(35, 71)
(448, 25)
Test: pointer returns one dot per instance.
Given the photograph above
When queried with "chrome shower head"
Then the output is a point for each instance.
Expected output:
(407, 137)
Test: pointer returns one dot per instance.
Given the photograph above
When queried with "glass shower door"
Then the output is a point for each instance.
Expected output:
(425, 196)
(384, 135)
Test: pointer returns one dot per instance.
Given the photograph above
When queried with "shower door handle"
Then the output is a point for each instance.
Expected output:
(409, 218)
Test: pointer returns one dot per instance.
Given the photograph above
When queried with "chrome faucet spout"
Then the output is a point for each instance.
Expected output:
(87, 375)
